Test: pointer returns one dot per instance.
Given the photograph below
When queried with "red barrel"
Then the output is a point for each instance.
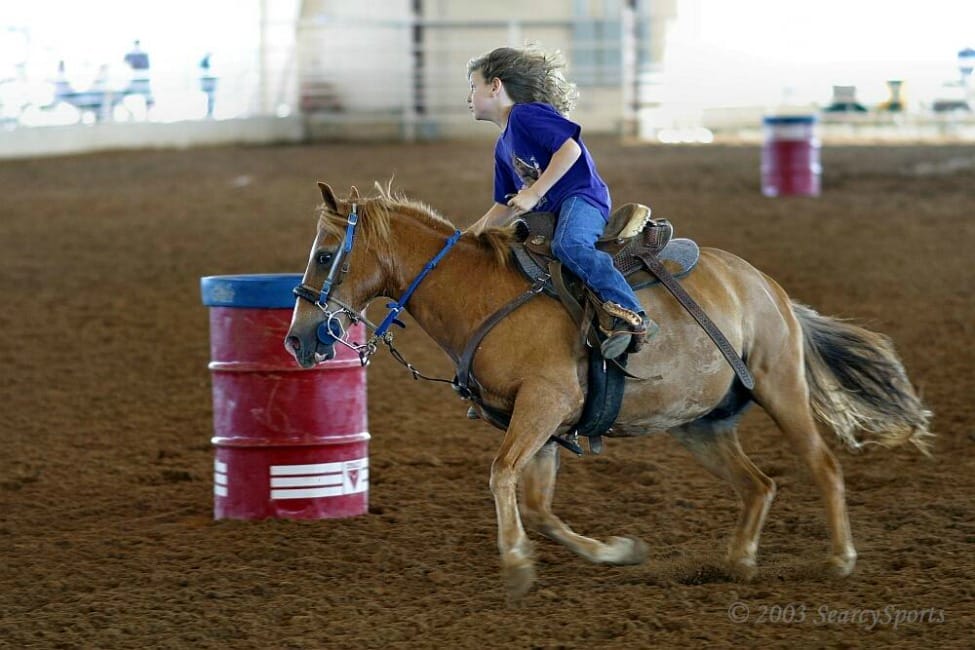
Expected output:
(790, 156)
(289, 442)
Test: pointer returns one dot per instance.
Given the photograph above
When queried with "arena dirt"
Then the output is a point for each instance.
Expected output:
(106, 529)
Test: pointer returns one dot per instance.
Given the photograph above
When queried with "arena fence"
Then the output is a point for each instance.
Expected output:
(407, 78)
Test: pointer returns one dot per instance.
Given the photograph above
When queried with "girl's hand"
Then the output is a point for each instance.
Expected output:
(524, 200)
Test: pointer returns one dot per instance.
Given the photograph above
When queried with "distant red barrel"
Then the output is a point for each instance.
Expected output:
(790, 156)
(289, 443)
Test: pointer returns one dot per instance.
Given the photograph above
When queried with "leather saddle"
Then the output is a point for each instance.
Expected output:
(630, 237)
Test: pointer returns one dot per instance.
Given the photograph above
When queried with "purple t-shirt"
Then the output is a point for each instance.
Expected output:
(524, 149)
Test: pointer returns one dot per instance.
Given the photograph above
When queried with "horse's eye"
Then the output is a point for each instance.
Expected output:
(324, 258)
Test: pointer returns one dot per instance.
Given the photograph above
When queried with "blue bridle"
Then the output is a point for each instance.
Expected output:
(396, 307)
(331, 329)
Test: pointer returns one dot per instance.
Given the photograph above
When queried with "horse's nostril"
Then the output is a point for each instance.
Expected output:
(293, 343)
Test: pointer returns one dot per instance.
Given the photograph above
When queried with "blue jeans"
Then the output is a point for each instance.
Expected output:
(579, 226)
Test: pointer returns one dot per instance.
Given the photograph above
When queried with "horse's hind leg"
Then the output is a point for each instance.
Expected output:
(786, 399)
(538, 489)
(714, 444)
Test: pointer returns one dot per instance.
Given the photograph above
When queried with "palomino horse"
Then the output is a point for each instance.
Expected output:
(533, 366)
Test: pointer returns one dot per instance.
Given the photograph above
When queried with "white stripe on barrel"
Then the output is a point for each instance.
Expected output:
(319, 480)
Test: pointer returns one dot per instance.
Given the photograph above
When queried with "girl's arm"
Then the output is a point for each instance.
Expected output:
(562, 160)
(498, 215)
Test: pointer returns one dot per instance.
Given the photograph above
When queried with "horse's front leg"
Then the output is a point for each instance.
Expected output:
(536, 416)
(538, 489)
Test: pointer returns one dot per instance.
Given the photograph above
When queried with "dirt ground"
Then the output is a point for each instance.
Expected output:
(106, 528)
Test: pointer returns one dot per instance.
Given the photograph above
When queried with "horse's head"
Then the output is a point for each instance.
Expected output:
(338, 282)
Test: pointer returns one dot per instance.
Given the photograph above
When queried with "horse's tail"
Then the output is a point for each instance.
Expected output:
(856, 381)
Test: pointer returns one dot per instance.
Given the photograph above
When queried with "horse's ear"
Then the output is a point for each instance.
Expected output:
(328, 196)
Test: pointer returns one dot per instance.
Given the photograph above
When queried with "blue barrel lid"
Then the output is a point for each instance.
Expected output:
(262, 290)
(789, 119)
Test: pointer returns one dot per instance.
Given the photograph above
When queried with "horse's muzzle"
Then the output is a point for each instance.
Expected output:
(308, 353)
(308, 349)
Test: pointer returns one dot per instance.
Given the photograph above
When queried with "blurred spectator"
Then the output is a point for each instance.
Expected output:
(62, 87)
(99, 98)
(208, 83)
(138, 60)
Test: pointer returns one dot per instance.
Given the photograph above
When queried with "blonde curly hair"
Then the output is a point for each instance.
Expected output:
(529, 75)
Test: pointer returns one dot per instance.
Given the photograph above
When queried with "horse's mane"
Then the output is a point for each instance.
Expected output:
(498, 240)
(374, 220)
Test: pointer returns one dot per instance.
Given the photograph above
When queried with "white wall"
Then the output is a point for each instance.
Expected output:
(358, 51)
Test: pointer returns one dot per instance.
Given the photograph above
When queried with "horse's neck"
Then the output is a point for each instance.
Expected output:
(466, 287)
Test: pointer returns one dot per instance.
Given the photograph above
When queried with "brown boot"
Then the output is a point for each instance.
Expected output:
(637, 342)
(625, 331)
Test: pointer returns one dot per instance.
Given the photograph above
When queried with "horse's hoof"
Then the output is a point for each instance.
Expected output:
(626, 551)
(518, 580)
(840, 566)
(743, 570)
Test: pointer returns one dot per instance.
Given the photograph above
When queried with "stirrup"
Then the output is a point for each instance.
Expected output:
(616, 344)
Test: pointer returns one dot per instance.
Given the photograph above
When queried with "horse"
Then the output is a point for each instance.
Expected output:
(806, 367)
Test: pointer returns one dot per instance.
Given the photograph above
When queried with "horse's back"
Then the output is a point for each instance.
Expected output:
(730, 288)
(732, 292)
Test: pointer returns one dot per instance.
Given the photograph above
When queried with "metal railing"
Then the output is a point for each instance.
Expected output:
(413, 72)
